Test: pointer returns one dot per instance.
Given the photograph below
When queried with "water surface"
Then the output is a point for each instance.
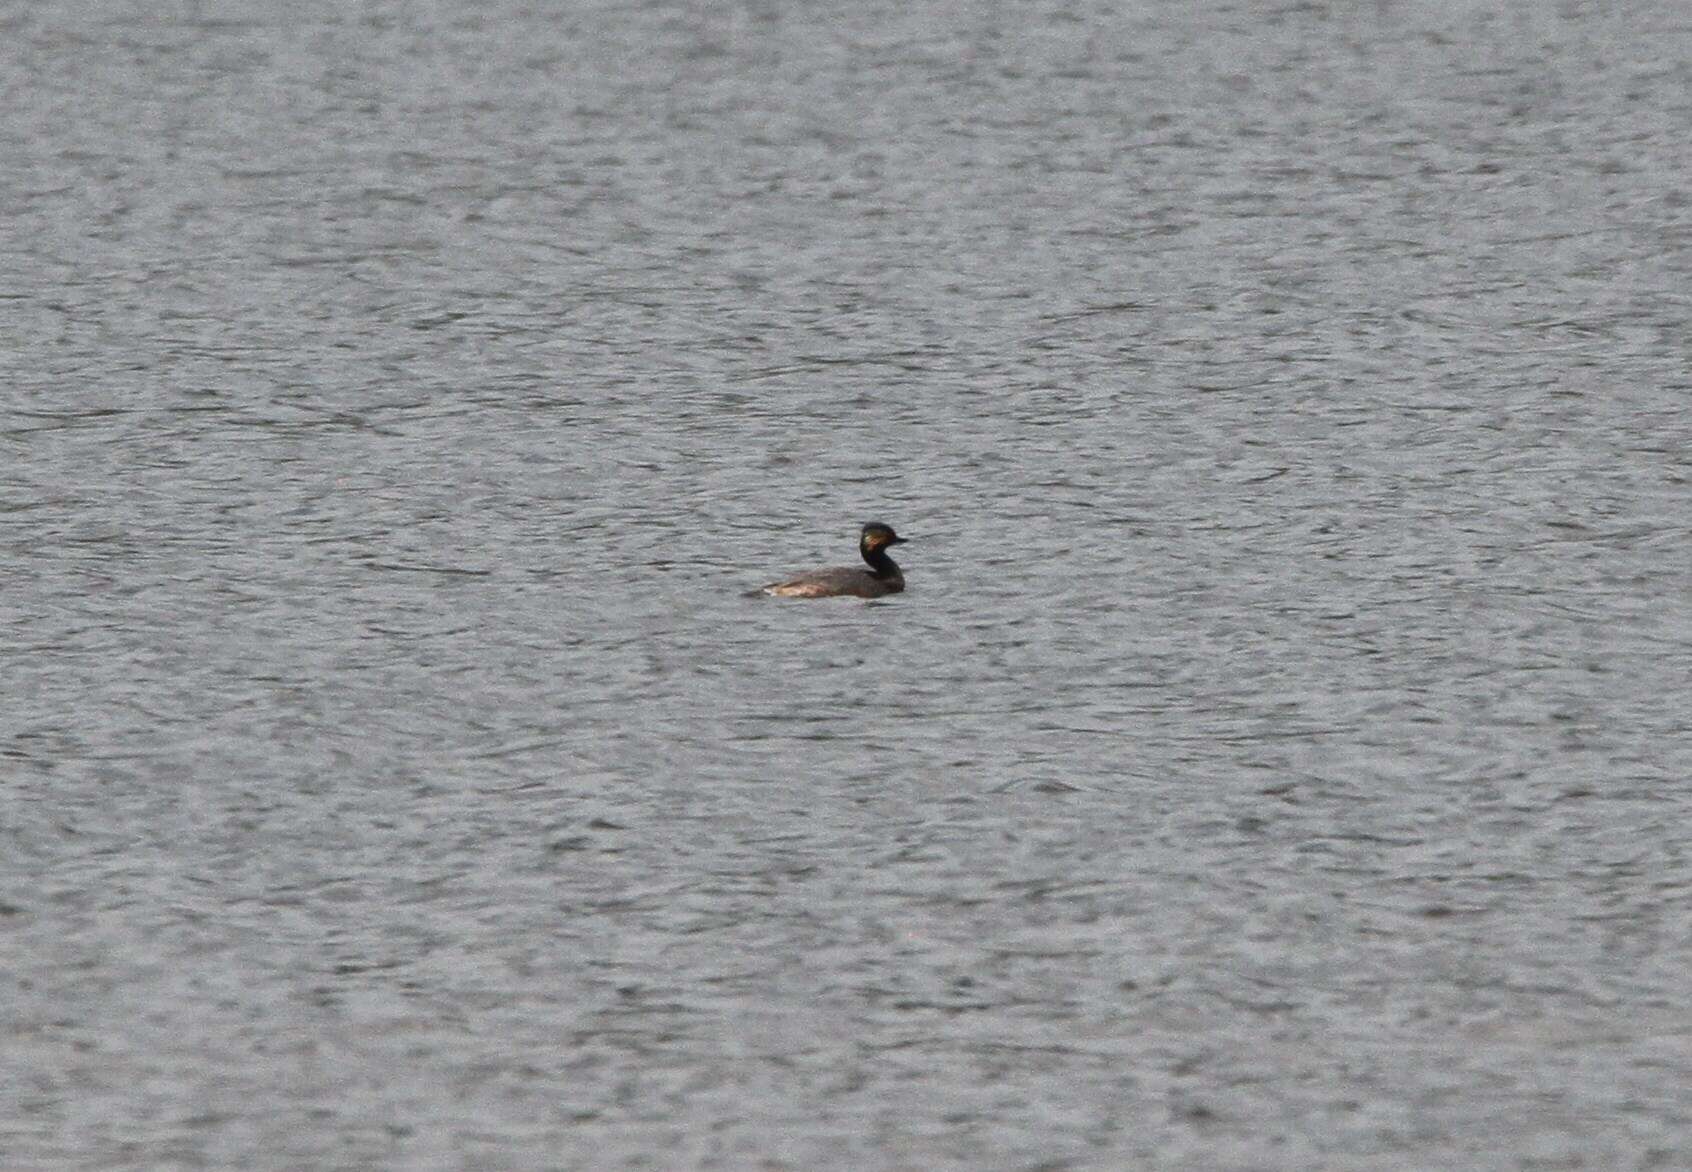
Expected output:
(1279, 758)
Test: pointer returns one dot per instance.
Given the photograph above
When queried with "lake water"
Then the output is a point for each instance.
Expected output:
(1279, 760)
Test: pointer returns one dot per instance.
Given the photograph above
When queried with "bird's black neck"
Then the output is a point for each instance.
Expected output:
(876, 556)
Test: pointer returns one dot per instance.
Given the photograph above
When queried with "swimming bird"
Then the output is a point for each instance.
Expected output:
(882, 577)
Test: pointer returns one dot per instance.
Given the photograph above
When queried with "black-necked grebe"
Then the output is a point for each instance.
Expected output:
(882, 577)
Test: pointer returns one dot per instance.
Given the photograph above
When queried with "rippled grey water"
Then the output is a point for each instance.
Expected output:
(1280, 759)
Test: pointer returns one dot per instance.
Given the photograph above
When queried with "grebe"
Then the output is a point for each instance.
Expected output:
(882, 577)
